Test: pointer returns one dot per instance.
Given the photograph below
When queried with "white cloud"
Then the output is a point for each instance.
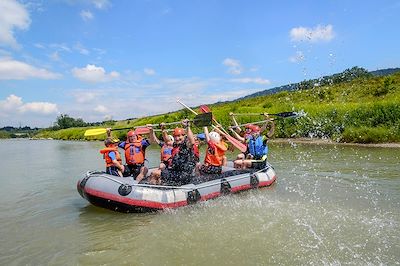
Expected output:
(12, 69)
(233, 65)
(316, 34)
(13, 16)
(14, 104)
(149, 71)
(101, 109)
(82, 50)
(298, 57)
(252, 80)
(101, 4)
(86, 15)
(84, 97)
(39, 108)
(92, 73)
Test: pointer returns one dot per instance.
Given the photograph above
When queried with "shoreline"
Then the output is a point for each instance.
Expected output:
(331, 142)
(312, 141)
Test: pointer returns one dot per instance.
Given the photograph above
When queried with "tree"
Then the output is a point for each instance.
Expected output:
(65, 121)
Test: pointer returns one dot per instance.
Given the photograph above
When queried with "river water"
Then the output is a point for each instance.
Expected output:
(331, 205)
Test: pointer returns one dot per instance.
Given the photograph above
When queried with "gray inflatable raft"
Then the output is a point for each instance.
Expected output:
(124, 194)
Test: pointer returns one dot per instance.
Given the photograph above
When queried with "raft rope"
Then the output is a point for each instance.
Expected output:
(174, 187)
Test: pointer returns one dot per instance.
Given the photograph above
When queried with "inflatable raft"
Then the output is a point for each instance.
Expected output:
(124, 194)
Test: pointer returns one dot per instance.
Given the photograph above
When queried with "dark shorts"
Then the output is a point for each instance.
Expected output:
(133, 169)
(210, 169)
(259, 164)
(112, 170)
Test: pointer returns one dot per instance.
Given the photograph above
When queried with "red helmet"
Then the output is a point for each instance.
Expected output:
(179, 131)
(131, 133)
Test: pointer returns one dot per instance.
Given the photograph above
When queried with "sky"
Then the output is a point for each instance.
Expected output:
(108, 59)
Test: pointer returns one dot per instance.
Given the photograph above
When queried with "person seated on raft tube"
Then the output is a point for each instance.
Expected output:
(112, 157)
(257, 150)
(215, 154)
(166, 146)
(180, 170)
(134, 147)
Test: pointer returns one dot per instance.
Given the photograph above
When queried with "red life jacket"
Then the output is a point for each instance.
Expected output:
(134, 153)
(107, 158)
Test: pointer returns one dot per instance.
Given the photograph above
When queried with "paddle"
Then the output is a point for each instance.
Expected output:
(242, 147)
(282, 115)
(200, 120)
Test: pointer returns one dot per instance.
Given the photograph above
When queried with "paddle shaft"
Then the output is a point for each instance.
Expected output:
(283, 114)
(253, 123)
(234, 141)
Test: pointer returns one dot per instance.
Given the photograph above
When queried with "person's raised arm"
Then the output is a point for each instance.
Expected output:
(189, 133)
(153, 137)
(206, 134)
(269, 122)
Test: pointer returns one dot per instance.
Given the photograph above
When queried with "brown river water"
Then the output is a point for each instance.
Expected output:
(331, 205)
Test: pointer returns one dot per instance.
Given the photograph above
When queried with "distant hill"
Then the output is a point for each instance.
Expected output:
(347, 75)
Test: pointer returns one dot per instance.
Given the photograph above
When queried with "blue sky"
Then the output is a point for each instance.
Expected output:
(105, 59)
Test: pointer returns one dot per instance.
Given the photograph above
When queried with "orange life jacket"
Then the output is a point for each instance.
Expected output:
(166, 153)
(214, 156)
(107, 158)
(134, 153)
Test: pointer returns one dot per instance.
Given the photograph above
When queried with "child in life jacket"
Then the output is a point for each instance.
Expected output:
(112, 157)
(215, 154)
(166, 146)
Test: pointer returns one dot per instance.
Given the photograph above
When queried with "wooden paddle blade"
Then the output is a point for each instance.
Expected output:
(95, 132)
(203, 120)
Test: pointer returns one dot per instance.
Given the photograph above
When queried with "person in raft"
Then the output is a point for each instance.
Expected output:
(112, 157)
(257, 150)
(166, 146)
(134, 148)
(180, 170)
(215, 154)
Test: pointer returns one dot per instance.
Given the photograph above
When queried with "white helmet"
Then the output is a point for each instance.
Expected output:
(170, 138)
(215, 137)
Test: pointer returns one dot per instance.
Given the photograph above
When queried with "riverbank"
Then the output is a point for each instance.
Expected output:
(331, 142)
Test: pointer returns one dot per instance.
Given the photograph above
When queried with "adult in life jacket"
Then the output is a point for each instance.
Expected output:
(215, 154)
(134, 150)
(180, 170)
(257, 149)
(112, 157)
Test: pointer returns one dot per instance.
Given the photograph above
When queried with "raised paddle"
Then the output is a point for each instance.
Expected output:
(282, 115)
(242, 147)
(200, 120)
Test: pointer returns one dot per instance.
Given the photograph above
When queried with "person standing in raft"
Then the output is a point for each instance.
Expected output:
(112, 157)
(215, 155)
(257, 150)
(180, 171)
(134, 148)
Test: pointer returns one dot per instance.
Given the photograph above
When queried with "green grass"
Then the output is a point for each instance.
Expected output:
(364, 110)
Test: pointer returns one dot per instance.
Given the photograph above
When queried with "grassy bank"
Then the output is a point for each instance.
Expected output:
(364, 110)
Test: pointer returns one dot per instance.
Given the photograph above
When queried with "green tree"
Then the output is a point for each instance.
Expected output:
(65, 121)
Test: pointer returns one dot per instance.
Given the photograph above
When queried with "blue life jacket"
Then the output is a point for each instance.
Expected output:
(257, 148)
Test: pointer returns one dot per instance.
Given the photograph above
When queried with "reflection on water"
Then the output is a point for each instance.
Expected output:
(331, 205)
